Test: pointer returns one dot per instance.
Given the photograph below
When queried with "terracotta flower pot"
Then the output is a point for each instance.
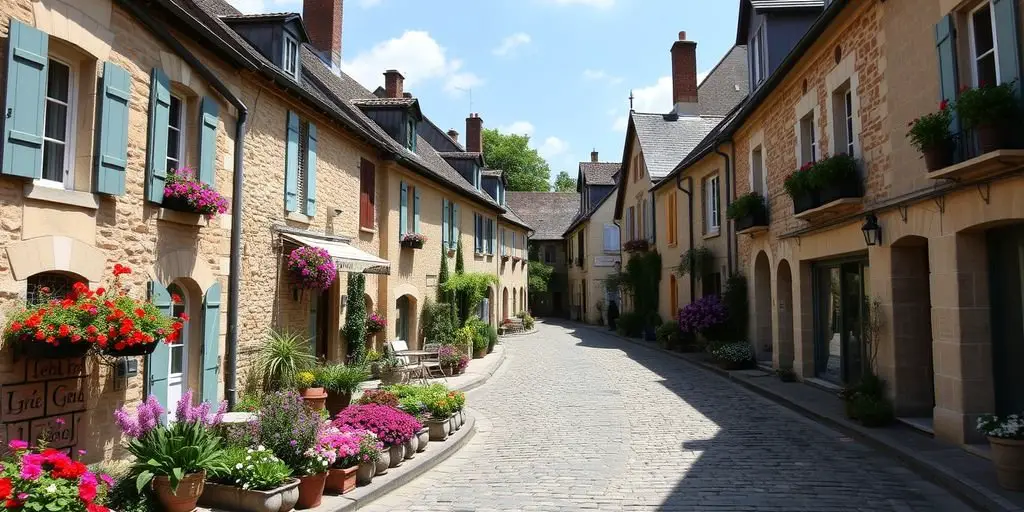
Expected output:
(182, 499)
(1008, 457)
(479, 353)
(364, 475)
(311, 489)
(397, 455)
(314, 398)
(337, 401)
(938, 157)
(341, 481)
(423, 437)
(384, 462)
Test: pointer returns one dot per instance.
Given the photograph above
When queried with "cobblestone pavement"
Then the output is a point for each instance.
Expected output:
(577, 419)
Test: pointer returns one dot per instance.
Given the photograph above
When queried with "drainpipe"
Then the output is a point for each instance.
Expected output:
(235, 265)
(728, 200)
(689, 210)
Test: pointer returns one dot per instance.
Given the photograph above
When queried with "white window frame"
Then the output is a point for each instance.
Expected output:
(757, 156)
(712, 203)
(995, 42)
(808, 139)
(290, 58)
(611, 238)
(180, 157)
(68, 183)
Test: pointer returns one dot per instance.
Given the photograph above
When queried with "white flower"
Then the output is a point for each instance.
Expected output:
(250, 450)
(248, 457)
(238, 466)
(52, 488)
(260, 448)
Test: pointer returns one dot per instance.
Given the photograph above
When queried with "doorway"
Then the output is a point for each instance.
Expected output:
(318, 329)
(1006, 281)
(840, 304)
(177, 375)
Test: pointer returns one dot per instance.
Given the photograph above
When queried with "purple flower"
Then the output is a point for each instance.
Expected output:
(146, 418)
(702, 314)
(390, 425)
(313, 267)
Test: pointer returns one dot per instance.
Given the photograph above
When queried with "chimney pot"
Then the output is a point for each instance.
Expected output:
(682, 35)
(453, 134)
(593, 156)
(323, 21)
(684, 76)
(474, 133)
(394, 84)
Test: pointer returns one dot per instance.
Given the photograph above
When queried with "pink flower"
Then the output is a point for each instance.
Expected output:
(17, 444)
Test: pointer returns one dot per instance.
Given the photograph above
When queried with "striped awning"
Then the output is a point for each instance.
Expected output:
(346, 257)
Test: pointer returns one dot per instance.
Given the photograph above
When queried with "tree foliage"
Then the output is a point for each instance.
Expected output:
(471, 287)
(565, 183)
(640, 279)
(525, 169)
(442, 276)
(540, 276)
(355, 317)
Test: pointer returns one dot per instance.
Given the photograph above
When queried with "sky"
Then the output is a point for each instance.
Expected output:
(560, 71)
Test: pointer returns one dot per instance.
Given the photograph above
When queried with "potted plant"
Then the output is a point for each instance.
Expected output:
(458, 400)
(173, 458)
(374, 324)
(380, 397)
(282, 356)
(747, 211)
(341, 478)
(991, 111)
(439, 423)
(801, 188)
(253, 479)
(392, 426)
(836, 177)
(930, 135)
(636, 246)
(373, 359)
(369, 453)
(733, 356)
(702, 315)
(449, 357)
(183, 192)
(311, 390)
(391, 370)
(667, 335)
(340, 381)
(698, 260)
(312, 267)
(1006, 437)
(479, 345)
(413, 240)
(46, 479)
(504, 257)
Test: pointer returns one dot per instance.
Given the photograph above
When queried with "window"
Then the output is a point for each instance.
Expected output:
(178, 371)
(410, 135)
(367, 193)
(758, 179)
(47, 285)
(808, 140)
(581, 248)
(502, 242)
(549, 254)
(673, 295)
(611, 238)
(984, 56)
(631, 223)
(642, 222)
(758, 57)
(670, 224)
(450, 224)
(59, 122)
(290, 59)
(303, 169)
(175, 137)
(711, 202)
(848, 103)
(490, 236)
(842, 112)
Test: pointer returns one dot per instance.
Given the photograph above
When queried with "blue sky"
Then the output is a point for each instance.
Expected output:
(557, 70)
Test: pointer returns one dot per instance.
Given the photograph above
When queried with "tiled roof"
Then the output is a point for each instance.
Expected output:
(784, 4)
(726, 85)
(260, 16)
(460, 155)
(511, 216)
(667, 138)
(384, 102)
(599, 173)
(549, 213)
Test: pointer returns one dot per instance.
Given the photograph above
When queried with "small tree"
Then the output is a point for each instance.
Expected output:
(461, 301)
(539, 276)
(355, 317)
(442, 276)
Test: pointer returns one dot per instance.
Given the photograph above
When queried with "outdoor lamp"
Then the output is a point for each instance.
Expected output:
(872, 231)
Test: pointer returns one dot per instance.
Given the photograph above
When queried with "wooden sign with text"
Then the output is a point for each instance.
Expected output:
(44, 398)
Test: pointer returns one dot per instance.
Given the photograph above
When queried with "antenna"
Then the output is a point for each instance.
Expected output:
(470, 91)
(631, 100)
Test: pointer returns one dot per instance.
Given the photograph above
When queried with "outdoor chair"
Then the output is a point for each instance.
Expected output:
(432, 363)
(414, 369)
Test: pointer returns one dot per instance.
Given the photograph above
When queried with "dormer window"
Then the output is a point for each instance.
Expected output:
(290, 59)
(758, 57)
(410, 134)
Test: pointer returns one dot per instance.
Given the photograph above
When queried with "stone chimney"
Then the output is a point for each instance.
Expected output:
(394, 84)
(593, 156)
(684, 76)
(453, 134)
(323, 24)
(474, 133)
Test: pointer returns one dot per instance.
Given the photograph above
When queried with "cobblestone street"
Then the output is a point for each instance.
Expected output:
(577, 419)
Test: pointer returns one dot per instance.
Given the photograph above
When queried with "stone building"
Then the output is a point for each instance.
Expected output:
(549, 213)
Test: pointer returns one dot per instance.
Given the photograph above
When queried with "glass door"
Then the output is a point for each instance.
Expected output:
(176, 375)
(840, 303)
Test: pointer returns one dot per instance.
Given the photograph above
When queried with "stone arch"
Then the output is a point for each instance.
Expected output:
(504, 304)
(181, 264)
(762, 309)
(368, 302)
(84, 23)
(407, 319)
(56, 253)
(910, 344)
(784, 351)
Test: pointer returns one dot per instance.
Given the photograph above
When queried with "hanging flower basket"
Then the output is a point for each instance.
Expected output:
(312, 267)
(374, 324)
(184, 193)
(413, 240)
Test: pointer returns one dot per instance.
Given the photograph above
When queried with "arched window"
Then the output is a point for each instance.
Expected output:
(46, 285)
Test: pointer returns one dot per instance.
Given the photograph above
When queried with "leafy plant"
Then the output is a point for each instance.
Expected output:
(931, 130)
(525, 169)
(392, 426)
(254, 468)
(438, 323)
(801, 181)
(746, 205)
(697, 260)
(1001, 427)
(640, 278)
(339, 378)
(355, 318)
(528, 321)
(733, 352)
(702, 314)
(471, 287)
(539, 276)
(47, 479)
(305, 380)
(630, 324)
(378, 396)
(667, 334)
(835, 169)
(282, 356)
(289, 429)
(987, 104)
(737, 311)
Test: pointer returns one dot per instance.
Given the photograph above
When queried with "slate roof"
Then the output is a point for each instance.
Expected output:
(599, 173)
(384, 102)
(494, 173)
(726, 85)
(667, 138)
(548, 212)
(461, 155)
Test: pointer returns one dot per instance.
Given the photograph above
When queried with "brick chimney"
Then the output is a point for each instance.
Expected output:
(323, 24)
(684, 76)
(593, 156)
(453, 134)
(474, 133)
(394, 84)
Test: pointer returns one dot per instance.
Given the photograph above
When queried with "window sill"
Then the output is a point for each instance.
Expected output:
(713, 234)
(368, 230)
(299, 217)
(60, 196)
(183, 218)
(983, 166)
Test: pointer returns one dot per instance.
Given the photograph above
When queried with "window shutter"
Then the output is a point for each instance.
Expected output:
(1004, 12)
(476, 234)
(291, 164)
(211, 343)
(445, 224)
(403, 211)
(311, 170)
(208, 121)
(494, 238)
(502, 238)
(652, 233)
(26, 94)
(945, 41)
(159, 118)
(457, 227)
(115, 94)
(158, 364)
(416, 210)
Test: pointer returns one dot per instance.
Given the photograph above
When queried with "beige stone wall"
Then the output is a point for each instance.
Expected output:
(593, 273)
(633, 193)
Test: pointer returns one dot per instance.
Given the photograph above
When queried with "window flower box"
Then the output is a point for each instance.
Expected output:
(413, 240)
(184, 193)
(636, 246)
(505, 257)
(930, 135)
(828, 187)
(799, 186)
(990, 111)
(229, 497)
(749, 213)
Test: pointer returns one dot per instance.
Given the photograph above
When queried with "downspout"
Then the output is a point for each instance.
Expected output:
(235, 264)
(728, 200)
(689, 217)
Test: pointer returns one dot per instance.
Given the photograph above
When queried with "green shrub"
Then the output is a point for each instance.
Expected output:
(282, 356)
(338, 378)
(989, 104)
(355, 317)
(438, 323)
(492, 336)
(254, 469)
(746, 205)
(528, 321)
(631, 324)
(667, 334)
(249, 402)
(735, 352)
(872, 411)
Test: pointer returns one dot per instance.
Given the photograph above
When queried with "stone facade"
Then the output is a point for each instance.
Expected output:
(599, 261)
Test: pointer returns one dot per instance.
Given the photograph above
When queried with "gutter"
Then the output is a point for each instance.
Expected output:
(728, 195)
(689, 208)
(235, 265)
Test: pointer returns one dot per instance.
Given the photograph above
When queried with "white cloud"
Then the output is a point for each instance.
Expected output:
(600, 4)
(552, 147)
(518, 128)
(510, 43)
(420, 59)
(653, 98)
(600, 75)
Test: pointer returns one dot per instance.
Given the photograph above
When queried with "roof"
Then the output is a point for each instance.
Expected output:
(726, 84)
(666, 139)
(494, 173)
(460, 155)
(584, 216)
(747, 8)
(384, 102)
(599, 173)
(267, 16)
(548, 212)
(510, 216)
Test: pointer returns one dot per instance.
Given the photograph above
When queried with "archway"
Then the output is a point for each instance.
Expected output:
(405, 321)
(762, 307)
(514, 303)
(504, 303)
(784, 305)
(913, 368)
(522, 299)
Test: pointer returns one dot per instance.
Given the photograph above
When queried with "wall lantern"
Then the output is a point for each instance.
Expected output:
(872, 231)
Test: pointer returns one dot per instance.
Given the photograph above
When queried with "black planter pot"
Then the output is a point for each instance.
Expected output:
(142, 349)
(834, 191)
(64, 349)
(412, 244)
(178, 204)
(939, 157)
(805, 201)
(748, 221)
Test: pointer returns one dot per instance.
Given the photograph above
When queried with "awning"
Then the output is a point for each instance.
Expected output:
(346, 257)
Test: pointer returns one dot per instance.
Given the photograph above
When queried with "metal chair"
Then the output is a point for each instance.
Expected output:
(432, 363)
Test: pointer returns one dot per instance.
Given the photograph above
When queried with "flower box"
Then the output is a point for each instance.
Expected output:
(185, 193)
(981, 167)
(805, 201)
(228, 497)
(312, 267)
(61, 349)
(439, 429)
(748, 223)
(412, 240)
(141, 349)
(505, 257)
(748, 211)
(847, 188)
(636, 246)
(179, 204)
(341, 480)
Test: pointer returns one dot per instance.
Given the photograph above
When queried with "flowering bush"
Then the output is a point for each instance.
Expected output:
(413, 239)
(375, 323)
(1002, 427)
(702, 314)
(291, 431)
(931, 130)
(434, 400)
(200, 197)
(344, 443)
(49, 480)
(101, 317)
(313, 267)
(736, 352)
(458, 399)
(370, 447)
(378, 396)
(256, 469)
(448, 355)
(392, 426)
(801, 181)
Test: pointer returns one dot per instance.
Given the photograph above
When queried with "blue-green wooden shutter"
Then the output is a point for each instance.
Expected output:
(311, 171)
(112, 162)
(456, 227)
(208, 122)
(416, 211)
(159, 119)
(945, 42)
(476, 233)
(291, 164)
(403, 210)
(158, 364)
(494, 237)
(211, 342)
(1004, 12)
(27, 60)
(445, 224)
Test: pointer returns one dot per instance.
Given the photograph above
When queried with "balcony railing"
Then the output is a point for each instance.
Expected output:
(972, 162)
